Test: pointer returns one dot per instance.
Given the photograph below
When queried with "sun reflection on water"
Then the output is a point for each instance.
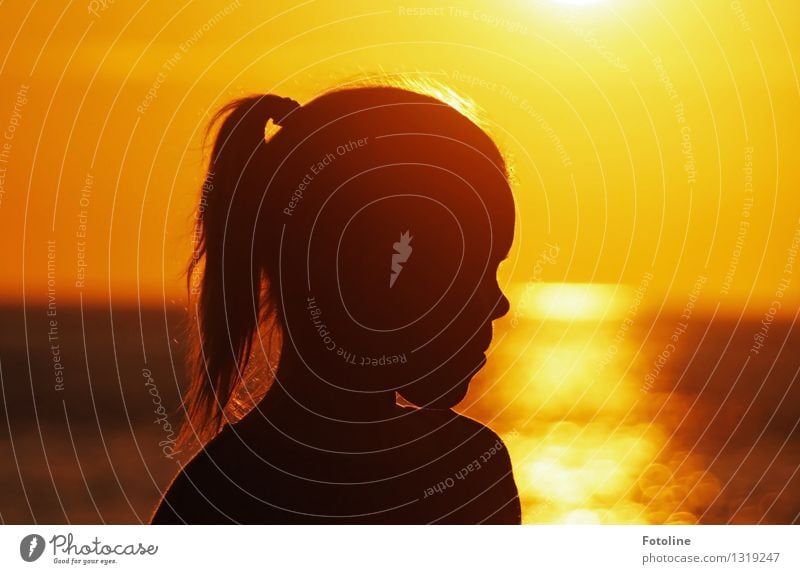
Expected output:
(579, 429)
(571, 301)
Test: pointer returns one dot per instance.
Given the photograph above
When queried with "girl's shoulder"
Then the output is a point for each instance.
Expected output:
(468, 478)
(454, 440)
(219, 466)
(447, 422)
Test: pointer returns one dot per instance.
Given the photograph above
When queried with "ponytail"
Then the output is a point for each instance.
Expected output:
(229, 306)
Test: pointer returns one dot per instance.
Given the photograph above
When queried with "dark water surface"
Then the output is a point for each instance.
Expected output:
(599, 428)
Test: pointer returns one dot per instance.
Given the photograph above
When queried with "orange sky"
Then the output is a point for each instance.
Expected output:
(642, 134)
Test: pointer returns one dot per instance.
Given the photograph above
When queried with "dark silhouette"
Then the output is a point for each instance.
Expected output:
(367, 230)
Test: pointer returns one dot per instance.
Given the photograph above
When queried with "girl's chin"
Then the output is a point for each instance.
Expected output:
(435, 395)
(445, 399)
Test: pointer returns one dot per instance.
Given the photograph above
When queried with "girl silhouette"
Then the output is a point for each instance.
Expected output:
(366, 231)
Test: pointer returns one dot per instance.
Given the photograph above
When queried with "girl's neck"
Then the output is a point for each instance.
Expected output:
(298, 390)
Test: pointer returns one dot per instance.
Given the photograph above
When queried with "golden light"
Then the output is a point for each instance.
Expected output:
(583, 450)
(584, 473)
(571, 301)
(578, 2)
(597, 116)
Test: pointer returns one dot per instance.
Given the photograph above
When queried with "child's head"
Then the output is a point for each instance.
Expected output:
(371, 223)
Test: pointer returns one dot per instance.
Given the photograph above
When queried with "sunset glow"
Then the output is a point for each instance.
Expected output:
(645, 371)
